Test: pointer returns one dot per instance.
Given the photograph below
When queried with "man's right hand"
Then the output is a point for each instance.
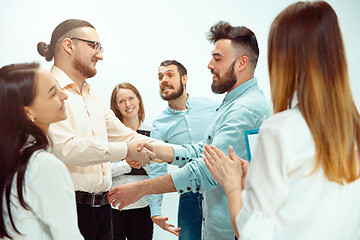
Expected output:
(161, 222)
(163, 151)
(137, 153)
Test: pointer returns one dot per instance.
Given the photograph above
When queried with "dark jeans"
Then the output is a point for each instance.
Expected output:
(190, 216)
(95, 222)
(133, 224)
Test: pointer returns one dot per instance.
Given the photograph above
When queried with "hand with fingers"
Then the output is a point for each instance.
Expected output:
(138, 153)
(161, 222)
(133, 164)
(228, 172)
(163, 151)
(125, 194)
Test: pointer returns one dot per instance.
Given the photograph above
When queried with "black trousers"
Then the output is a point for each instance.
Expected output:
(133, 224)
(95, 222)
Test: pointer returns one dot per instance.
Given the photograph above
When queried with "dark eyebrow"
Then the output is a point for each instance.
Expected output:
(172, 71)
(216, 54)
(52, 88)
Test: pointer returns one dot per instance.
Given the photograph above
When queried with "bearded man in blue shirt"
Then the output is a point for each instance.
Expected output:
(244, 107)
(179, 123)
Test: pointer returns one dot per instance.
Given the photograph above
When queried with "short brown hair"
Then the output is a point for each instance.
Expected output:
(181, 69)
(242, 39)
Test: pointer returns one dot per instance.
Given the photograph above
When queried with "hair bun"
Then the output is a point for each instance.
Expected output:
(44, 50)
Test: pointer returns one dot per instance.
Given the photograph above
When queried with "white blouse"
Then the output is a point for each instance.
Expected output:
(50, 194)
(119, 168)
(282, 201)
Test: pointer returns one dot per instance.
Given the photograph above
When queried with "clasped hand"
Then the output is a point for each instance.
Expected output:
(138, 155)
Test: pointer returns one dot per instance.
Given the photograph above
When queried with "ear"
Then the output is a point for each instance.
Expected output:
(29, 113)
(241, 63)
(68, 46)
(184, 79)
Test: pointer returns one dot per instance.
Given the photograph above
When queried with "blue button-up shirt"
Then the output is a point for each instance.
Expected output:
(244, 108)
(180, 127)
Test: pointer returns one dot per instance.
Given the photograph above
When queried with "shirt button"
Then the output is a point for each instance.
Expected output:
(183, 158)
(197, 189)
(177, 158)
(181, 191)
(188, 188)
(209, 137)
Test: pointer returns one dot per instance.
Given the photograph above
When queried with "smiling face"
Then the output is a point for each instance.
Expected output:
(170, 83)
(85, 56)
(48, 105)
(222, 67)
(127, 103)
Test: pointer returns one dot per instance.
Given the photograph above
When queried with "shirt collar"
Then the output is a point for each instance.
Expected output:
(65, 81)
(188, 105)
(236, 92)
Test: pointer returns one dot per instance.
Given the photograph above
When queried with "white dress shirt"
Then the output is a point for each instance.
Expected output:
(282, 200)
(50, 195)
(89, 138)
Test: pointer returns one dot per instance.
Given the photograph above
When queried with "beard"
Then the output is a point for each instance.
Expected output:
(224, 83)
(173, 95)
(85, 71)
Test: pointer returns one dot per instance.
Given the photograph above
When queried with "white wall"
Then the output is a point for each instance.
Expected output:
(138, 35)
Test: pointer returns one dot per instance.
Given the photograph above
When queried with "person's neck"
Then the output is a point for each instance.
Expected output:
(240, 80)
(44, 128)
(179, 103)
(132, 123)
(73, 74)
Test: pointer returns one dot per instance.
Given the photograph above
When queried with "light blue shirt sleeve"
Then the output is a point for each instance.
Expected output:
(228, 130)
(156, 170)
(180, 127)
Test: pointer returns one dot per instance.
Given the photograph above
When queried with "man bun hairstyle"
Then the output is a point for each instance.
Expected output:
(63, 30)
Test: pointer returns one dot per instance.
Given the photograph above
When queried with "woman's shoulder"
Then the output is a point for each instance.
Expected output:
(286, 121)
(45, 160)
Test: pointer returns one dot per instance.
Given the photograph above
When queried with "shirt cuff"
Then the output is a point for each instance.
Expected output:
(155, 210)
(180, 158)
(118, 151)
(187, 185)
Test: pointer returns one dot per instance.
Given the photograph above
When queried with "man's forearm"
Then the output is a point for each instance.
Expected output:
(162, 184)
(131, 192)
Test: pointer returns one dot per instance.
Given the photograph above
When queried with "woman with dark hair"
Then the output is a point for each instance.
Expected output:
(303, 180)
(38, 200)
(127, 104)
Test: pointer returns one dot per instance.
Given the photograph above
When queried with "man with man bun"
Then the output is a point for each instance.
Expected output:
(91, 136)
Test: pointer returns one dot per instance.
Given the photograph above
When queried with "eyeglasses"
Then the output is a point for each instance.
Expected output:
(95, 45)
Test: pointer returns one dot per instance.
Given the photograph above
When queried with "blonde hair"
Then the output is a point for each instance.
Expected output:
(306, 57)
(126, 85)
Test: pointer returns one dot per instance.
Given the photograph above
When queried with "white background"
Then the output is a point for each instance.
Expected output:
(138, 35)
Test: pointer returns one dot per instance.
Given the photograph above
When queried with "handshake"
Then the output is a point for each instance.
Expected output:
(140, 153)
